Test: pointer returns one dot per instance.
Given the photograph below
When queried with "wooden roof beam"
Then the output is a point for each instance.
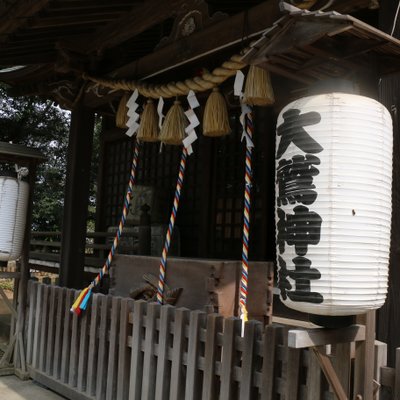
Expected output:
(67, 6)
(18, 14)
(27, 59)
(69, 20)
(141, 17)
(218, 36)
(350, 6)
(212, 39)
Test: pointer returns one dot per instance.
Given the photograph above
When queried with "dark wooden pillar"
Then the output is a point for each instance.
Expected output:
(76, 197)
(388, 322)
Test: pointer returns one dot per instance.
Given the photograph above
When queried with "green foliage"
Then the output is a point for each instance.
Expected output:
(39, 123)
(33, 122)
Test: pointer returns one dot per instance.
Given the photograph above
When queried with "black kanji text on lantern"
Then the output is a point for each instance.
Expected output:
(299, 229)
(292, 131)
(295, 186)
(295, 180)
(302, 275)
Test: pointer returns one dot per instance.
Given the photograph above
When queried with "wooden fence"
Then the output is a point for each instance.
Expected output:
(124, 349)
(390, 380)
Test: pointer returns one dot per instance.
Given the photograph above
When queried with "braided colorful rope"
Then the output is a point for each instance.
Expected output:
(83, 298)
(246, 220)
(163, 261)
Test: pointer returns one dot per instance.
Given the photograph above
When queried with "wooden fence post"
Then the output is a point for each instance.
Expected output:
(149, 358)
(92, 356)
(273, 335)
(178, 348)
(232, 330)
(113, 348)
(380, 360)
(124, 358)
(364, 360)
(135, 379)
(252, 331)
(163, 372)
(197, 322)
(84, 348)
(214, 327)
(58, 333)
(313, 377)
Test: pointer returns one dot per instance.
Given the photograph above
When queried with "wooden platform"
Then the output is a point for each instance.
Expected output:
(204, 282)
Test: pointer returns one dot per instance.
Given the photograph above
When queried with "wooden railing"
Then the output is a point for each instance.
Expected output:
(124, 349)
(45, 248)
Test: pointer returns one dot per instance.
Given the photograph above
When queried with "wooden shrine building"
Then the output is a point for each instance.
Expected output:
(56, 49)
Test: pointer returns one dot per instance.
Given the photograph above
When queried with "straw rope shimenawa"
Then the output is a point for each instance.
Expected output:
(207, 81)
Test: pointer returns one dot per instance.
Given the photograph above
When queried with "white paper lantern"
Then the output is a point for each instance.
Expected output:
(333, 203)
(14, 195)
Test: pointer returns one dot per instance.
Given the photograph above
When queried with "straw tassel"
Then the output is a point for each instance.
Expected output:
(148, 129)
(173, 129)
(121, 118)
(216, 118)
(258, 89)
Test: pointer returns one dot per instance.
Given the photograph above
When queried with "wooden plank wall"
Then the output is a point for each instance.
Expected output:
(130, 350)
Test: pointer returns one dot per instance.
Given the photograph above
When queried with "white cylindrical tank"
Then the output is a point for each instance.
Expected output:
(333, 203)
(14, 195)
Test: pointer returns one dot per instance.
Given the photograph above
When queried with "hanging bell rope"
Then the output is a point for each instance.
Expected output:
(207, 81)
(258, 89)
(173, 128)
(216, 117)
(246, 219)
(148, 129)
(163, 261)
(83, 298)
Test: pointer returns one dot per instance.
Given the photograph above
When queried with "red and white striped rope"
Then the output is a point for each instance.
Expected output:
(83, 298)
(163, 261)
(246, 218)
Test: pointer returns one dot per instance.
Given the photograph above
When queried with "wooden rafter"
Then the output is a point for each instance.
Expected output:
(349, 6)
(140, 18)
(18, 14)
(317, 45)
(216, 37)
(85, 44)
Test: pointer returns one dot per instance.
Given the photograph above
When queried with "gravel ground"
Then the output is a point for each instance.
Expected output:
(12, 388)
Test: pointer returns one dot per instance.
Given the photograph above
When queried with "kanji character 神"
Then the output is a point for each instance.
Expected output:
(299, 229)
